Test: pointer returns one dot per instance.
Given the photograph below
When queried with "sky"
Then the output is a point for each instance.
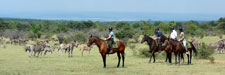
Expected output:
(43, 8)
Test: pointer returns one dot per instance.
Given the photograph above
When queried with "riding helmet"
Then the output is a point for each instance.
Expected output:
(110, 28)
(172, 28)
(157, 29)
(180, 28)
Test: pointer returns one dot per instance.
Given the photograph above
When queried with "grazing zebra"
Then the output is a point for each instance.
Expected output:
(50, 49)
(68, 47)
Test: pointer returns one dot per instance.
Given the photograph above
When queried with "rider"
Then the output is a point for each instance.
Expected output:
(110, 40)
(181, 38)
(158, 34)
(173, 34)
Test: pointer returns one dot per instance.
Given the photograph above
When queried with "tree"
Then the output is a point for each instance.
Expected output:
(221, 26)
(191, 29)
(164, 27)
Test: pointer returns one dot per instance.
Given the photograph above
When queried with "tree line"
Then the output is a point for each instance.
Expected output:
(123, 30)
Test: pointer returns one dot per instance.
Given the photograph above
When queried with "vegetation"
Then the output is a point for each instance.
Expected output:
(205, 52)
(25, 28)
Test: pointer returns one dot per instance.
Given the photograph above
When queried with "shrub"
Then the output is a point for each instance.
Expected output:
(211, 59)
(205, 51)
(132, 47)
(144, 52)
(79, 36)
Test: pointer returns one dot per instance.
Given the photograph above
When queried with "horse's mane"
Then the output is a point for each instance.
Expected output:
(163, 38)
(97, 37)
(149, 37)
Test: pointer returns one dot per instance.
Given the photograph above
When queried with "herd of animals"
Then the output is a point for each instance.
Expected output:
(42, 47)
(219, 45)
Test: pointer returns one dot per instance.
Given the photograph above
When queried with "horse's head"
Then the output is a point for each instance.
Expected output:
(144, 39)
(90, 41)
(163, 38)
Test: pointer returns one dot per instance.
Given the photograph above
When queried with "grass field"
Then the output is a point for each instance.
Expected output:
(15, 61)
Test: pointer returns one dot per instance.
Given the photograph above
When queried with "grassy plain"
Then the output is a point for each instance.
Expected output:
(15, 61)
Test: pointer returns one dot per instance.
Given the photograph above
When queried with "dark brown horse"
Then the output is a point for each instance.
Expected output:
(178, 49)
(153, 48)
(102, 45)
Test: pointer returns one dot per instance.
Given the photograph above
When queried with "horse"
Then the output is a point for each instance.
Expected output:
(178, 49)
(153, 48)
(103, 49)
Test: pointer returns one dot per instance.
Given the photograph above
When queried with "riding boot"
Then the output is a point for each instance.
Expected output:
(159, 48)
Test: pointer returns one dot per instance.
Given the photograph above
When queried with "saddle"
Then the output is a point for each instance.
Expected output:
(114, 45)
(187, 44)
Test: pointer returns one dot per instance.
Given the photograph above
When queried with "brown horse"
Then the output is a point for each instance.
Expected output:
(153, 48)
(178, 49)
(102, 45)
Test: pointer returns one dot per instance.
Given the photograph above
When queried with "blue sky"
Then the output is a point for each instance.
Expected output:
(14, 8)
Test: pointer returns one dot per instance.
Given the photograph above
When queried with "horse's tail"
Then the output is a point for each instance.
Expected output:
(194, 49)
(122, 46)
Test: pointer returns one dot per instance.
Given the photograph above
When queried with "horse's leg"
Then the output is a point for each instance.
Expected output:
(150, 58)
(104, 59)
(154, 57)
(190, 57)
(118, 55)
(182, 57)
(175, 58)
(179, 56)
(170, 58)
(123, 58)
(167, 56)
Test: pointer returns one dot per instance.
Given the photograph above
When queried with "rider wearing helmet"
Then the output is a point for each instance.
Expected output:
(173, 34)
(158, 34)
(110, 40)
(181, 38)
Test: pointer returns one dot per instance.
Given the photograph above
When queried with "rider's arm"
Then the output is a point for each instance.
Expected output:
(109, 37)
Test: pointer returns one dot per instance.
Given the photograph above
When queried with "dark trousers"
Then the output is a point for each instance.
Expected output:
(110, 43)
(159, 44)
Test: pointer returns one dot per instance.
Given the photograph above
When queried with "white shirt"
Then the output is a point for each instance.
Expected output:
(173, 35)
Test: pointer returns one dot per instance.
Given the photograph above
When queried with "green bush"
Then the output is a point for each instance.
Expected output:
(204, 51)
(79, 36)
(211, 59)
(144, 52)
